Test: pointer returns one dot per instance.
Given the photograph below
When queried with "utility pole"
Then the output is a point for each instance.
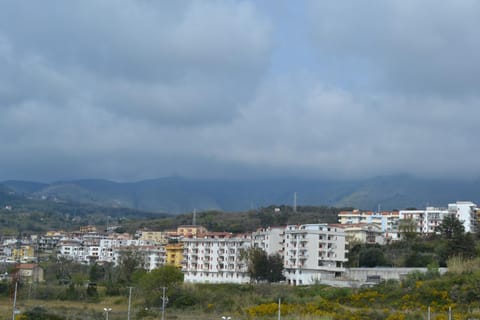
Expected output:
(279, 310)
(163, 302)
(295, 202)
(129, 301)
(14, 311)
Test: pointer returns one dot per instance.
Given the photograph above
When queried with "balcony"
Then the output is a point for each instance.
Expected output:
(303, 255)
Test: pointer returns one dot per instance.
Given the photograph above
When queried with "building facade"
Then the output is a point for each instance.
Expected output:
(466, 212)
(313, 253)
(216, 258)
(271, 240)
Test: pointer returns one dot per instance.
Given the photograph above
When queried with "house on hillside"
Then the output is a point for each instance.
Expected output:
(29, 272)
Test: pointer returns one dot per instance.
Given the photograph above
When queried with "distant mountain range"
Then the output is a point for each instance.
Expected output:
(180, 195)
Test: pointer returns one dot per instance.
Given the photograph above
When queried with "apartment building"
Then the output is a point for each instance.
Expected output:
(364, 233)
(466, 212)
(191, 231)
(271, 239)
(49, 242)
(313, 253)
(159, 237)
(24, 254)
(78, 251)
(387, 220)
(215, 258)
(155, 256)
(425, 221)
(174, 254)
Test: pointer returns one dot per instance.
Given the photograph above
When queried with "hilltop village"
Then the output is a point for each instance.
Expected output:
(310, 253)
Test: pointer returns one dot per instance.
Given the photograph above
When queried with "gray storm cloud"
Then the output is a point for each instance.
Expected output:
(425, 47)
(103, 80)
(137, 89)
(192, 62)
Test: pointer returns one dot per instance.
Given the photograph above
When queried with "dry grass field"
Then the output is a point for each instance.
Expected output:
(80, 310)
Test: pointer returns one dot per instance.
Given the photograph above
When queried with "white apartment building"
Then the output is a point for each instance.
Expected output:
(352, 217)
(154, 256)
(271, 239)
(426, 221)
(387, 220)
(109, 250)
(466, 212)
(215, 258)
(313, 253)
(77, 251)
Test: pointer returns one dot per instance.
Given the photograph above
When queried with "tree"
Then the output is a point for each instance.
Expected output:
(256, 259)
(152, 283)
(458, 243)
(371, 257)
(451, 227)
(130, 262)
(275, 268)
(166, 276)
(263, 267)
(95, 273)
(408, 229)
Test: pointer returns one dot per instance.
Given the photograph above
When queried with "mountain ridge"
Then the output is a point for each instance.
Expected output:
(180, 195)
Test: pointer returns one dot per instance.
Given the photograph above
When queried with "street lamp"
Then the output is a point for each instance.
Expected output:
(107, 310)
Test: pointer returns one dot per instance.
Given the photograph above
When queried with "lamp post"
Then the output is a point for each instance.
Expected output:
(107, 310)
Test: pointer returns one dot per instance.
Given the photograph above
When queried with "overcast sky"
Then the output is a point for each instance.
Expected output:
(135, 89)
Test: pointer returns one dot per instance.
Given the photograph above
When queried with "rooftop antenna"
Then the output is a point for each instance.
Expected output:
(295, 202)
(194, 216)
(379, 207)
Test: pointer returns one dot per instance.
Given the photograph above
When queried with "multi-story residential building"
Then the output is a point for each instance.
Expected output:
(270, 239)
(387, 220)
(425, 221)
(466, 212)
(159, 237)
(24, 254)
(191, 231)
(216, 258)
(313, 253)
(78, 251)
(87, 229)
(49, 241)
(174, 254)
(352, 217)
(110, 250)
(363, 233)
(155, 256)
